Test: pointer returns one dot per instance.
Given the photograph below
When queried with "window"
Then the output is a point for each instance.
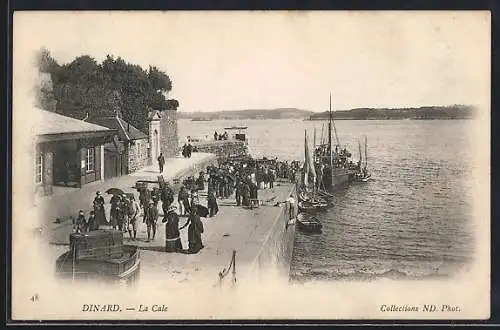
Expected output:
(89, 159)
(38, 168)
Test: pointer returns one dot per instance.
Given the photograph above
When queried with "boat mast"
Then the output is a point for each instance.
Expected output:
(322, 128)
(306, 165)
(314, 160)
(330, 127)
(330, 140)
(366, 151)
(333, 122)
(314, 146)
(360, 154)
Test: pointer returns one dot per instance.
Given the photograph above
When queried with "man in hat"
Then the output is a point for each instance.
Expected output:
(161, 162)
(172, 236)
(200, 182)
(291, 207)
(92, 221)
(194, 199)
(123, 214)
(133, 213)
(151, 215)
(213, 208)
(80, 222)
(183, 200)
(114, 214)
(100, 214)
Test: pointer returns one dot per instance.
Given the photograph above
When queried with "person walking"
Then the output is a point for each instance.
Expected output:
(291, 207)
(200, 182)
(151, 219)
(133, 213)
(98, 204)
(183, 201)
(239, 191)
(80, 222)
(172, 236)
(272, 178)
(115, 211)
(161, 162)
(93, 222)
(194, 231)
(213, 208)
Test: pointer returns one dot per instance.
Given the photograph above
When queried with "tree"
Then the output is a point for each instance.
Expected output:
(85, 86)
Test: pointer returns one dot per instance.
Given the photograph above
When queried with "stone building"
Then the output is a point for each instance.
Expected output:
(128, 152)
(154, 118)
(169, 138)
(68, 152)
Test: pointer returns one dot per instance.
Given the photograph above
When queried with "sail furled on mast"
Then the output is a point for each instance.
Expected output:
(366, 151)
(308, 162)
(360, 154)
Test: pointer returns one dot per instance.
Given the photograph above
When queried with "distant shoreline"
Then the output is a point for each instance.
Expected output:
(453, 112)
(326, 119)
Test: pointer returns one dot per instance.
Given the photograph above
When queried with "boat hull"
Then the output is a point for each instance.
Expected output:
(309, 224)
(340, 178)
(124, 270)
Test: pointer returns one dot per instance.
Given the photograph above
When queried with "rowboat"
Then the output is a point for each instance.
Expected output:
(100, 255)
(308, 223)
(325, 194)
(305, 206)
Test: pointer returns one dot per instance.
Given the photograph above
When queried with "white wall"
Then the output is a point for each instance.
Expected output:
(102, 162)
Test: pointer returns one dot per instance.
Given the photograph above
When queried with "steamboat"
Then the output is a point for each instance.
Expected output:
(333, 163)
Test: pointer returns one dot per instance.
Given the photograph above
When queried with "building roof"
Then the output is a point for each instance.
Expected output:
(126, 132)
(50, 123)
(153, 115)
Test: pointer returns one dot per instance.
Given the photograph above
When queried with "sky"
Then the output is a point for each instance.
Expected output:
(264, 60)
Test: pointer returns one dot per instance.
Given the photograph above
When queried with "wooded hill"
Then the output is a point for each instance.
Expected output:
(279, 113)
(429, 112)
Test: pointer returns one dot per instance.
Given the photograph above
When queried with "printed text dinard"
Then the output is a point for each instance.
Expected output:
(120, 308)
(423, 308)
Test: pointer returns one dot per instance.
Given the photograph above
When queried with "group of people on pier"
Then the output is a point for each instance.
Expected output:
(239, 178)
(220, 136)
(244, 178)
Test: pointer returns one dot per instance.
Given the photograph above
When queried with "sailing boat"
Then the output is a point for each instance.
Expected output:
(365, 176)
(334, 160)
(309, 201)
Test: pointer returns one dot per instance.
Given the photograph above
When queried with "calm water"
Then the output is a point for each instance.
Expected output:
(414, 220)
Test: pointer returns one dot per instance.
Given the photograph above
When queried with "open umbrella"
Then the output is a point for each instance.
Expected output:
(115, 191)
(202, 210)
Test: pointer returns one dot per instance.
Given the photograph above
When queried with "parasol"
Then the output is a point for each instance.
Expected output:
(202, 211)
(115, 191)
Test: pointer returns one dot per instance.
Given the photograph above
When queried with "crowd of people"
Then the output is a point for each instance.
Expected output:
(187, 149)
(220, 136)
(238, 179)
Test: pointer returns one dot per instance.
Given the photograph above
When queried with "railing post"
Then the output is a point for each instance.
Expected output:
(234, 267)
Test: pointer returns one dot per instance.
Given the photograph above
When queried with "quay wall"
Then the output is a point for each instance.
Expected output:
(225, 148)
(276, 251)
(193, 170)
